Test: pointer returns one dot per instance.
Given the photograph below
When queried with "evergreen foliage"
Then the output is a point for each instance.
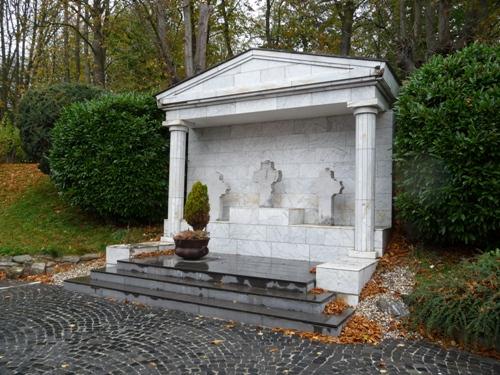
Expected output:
(39, 110)
(447, 148)
(197, 207)
(110, 156)
(463, 303)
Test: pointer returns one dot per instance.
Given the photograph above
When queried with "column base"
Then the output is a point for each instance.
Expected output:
(363, 254)
(346, 276)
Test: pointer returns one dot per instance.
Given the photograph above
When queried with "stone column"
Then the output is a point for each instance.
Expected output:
(364, 209)
(176, 177)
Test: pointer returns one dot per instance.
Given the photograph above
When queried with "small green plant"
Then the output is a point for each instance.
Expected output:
(197, 207)
(10, 142)
(462, 303)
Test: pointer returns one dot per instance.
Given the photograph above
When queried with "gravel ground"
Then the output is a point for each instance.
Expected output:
(81, 269)
(398, 282)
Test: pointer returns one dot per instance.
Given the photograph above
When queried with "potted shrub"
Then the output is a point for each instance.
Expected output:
(192, 244)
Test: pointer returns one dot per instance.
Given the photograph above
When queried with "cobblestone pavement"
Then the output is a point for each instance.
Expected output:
(45, 329)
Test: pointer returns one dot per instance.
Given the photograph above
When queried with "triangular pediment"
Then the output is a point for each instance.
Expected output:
(262, 70)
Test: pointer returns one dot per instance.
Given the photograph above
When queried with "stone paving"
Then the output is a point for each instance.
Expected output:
(45, 329)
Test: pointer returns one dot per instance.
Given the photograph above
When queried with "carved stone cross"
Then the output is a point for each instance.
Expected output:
(327, 187)
(266, 177)
(218, 188)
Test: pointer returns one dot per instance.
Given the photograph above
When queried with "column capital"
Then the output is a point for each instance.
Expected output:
(366, 106)
(177, 125)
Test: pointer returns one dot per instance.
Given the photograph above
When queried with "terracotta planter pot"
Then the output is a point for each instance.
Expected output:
(191, 249)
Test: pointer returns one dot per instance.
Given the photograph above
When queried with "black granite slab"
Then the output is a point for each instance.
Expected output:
(214, 307)
(277, 293)
(237, 265)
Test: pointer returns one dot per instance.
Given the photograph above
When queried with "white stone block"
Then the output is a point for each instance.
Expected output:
(218, 229)
(114, 253)
(254, 248)
(320, 253)
(247, 232)
(247, 78)
(290, 251)
(243, 215)
(223, 245)
(345, 275)
(280, 216)
(287, 234)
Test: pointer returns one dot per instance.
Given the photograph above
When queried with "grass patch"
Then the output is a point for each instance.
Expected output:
(458, 299)
(34, 219)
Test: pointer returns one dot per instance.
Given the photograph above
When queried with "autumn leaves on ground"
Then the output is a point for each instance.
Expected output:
(34, 219)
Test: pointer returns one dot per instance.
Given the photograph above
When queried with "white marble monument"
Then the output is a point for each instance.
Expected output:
(304, 145)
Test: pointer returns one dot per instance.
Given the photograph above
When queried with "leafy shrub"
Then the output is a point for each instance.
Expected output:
(447, 147)
(39, 110)
(197, 208)
(10, 143)
(110, 156)
(462, 303)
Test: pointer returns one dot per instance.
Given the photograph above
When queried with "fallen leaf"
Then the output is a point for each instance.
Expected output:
(317, 291)
(335, 307)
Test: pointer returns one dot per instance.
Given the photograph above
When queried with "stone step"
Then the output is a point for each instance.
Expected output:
(257, 272)
(211, 307)
(271, 298)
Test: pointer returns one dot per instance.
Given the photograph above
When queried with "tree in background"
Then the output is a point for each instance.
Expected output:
(117, 43)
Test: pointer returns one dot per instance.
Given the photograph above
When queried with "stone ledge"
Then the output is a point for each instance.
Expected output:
(346, 275)
(127, 251)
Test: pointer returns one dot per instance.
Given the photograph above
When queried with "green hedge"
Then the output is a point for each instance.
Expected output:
(463, 303)
(39, 110)
(447, 148)
(110, 156)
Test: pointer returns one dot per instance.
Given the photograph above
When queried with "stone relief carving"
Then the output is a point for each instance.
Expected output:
(265, 178)
(326, 188)
(217, 190)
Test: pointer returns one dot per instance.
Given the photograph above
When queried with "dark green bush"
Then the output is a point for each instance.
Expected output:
(197, 207)
(39, 110)
(447, 148)
(463, 303)
(110, 156)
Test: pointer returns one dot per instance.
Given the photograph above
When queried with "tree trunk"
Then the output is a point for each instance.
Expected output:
(165, 52)
(188, 38)
(227, 36)
(444, 35)
(86, 53)
(405, 53)
(417, 12)
(202, 38)
(430, 30)
(66, 41)
(269, 40)
(99, 16)
(78, 42)
(348, 9)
